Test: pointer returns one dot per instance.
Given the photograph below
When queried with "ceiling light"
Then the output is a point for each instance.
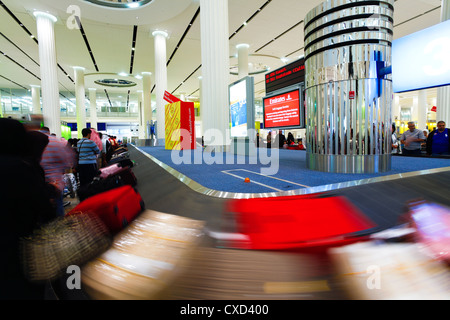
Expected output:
(123, 74)
(159, 32)
(45, 14)
(133, 5)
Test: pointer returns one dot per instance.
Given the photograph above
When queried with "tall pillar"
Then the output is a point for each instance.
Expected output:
(80, 98)
(443, 93)
(349, 107)
(36, 99)
(200, 99)
(160, 82)
(422, 110)
(242, 60)
(93, 101)
(141, 115)
(147, 103)
(1, 106)
(215, 51)
(51, 109)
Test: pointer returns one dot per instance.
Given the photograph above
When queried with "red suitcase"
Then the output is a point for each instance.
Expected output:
(287, 223)
(116, 208)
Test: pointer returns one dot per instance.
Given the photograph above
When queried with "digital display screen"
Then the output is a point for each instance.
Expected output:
(282, 110)
(238, 109)
(421, 60)
(286, 76)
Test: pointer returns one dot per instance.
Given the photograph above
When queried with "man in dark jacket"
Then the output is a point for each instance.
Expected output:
(24, 205)
(438, 141)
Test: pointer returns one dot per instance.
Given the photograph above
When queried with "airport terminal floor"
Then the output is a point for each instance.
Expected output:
(296, 235)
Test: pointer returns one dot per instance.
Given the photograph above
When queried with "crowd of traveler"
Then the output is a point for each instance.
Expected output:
(416, 142)
(33, 163)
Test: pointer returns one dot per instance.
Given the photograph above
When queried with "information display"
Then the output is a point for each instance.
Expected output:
(291, 74)
(241, 104)
(421, 60)
(283, 110)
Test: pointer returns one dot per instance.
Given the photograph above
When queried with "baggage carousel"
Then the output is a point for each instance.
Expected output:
(221, 272)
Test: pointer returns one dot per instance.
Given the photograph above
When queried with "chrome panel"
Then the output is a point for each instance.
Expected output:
(373, 13)
(333, 4)
(348, 38)
(347, 134)
(371, 24)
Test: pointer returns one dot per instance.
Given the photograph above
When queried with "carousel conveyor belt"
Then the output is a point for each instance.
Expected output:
(383, 202)
(166, 190)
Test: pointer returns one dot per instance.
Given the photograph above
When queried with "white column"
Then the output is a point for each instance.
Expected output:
(146, 103)
(200, 90)
(422, 110)
(51, 109)
(80, 94)
(160, 82)
(36, 99)
(93, 102)
(242, 60)
(183, 96)
(141, 115)
(215, 71)
(443, 93)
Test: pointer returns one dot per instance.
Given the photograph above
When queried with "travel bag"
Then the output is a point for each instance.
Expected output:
(116, 207)
(125, 173)
(98, 186)
(65, 241)
(145, 260)
(296, 223)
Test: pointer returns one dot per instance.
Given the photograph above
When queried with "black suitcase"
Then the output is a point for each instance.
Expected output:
(127, 176)
(99, 185)
(122, 162)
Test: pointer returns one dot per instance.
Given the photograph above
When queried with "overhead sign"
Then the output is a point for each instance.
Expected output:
(291, 74)
(170, 98)
(421, 60)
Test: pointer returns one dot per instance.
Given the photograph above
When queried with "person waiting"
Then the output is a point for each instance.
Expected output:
(281, 139)
(394, 140)
(87, 158)
(438, 142)
(412, 140)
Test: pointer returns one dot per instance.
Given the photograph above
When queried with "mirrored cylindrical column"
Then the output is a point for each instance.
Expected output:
(348, 86)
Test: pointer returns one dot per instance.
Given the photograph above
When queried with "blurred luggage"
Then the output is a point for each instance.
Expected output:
(145, 259)
(109, 171)
(122, 160)
(125, 173)
(295, 223)
(432, 224)
(227, 274)
(116, 207)
(98, 186)
(68, 240)
(390, 271)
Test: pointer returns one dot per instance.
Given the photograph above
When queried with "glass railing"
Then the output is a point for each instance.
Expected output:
(19, 111)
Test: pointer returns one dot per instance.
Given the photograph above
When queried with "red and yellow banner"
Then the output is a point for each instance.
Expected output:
(180, 126)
